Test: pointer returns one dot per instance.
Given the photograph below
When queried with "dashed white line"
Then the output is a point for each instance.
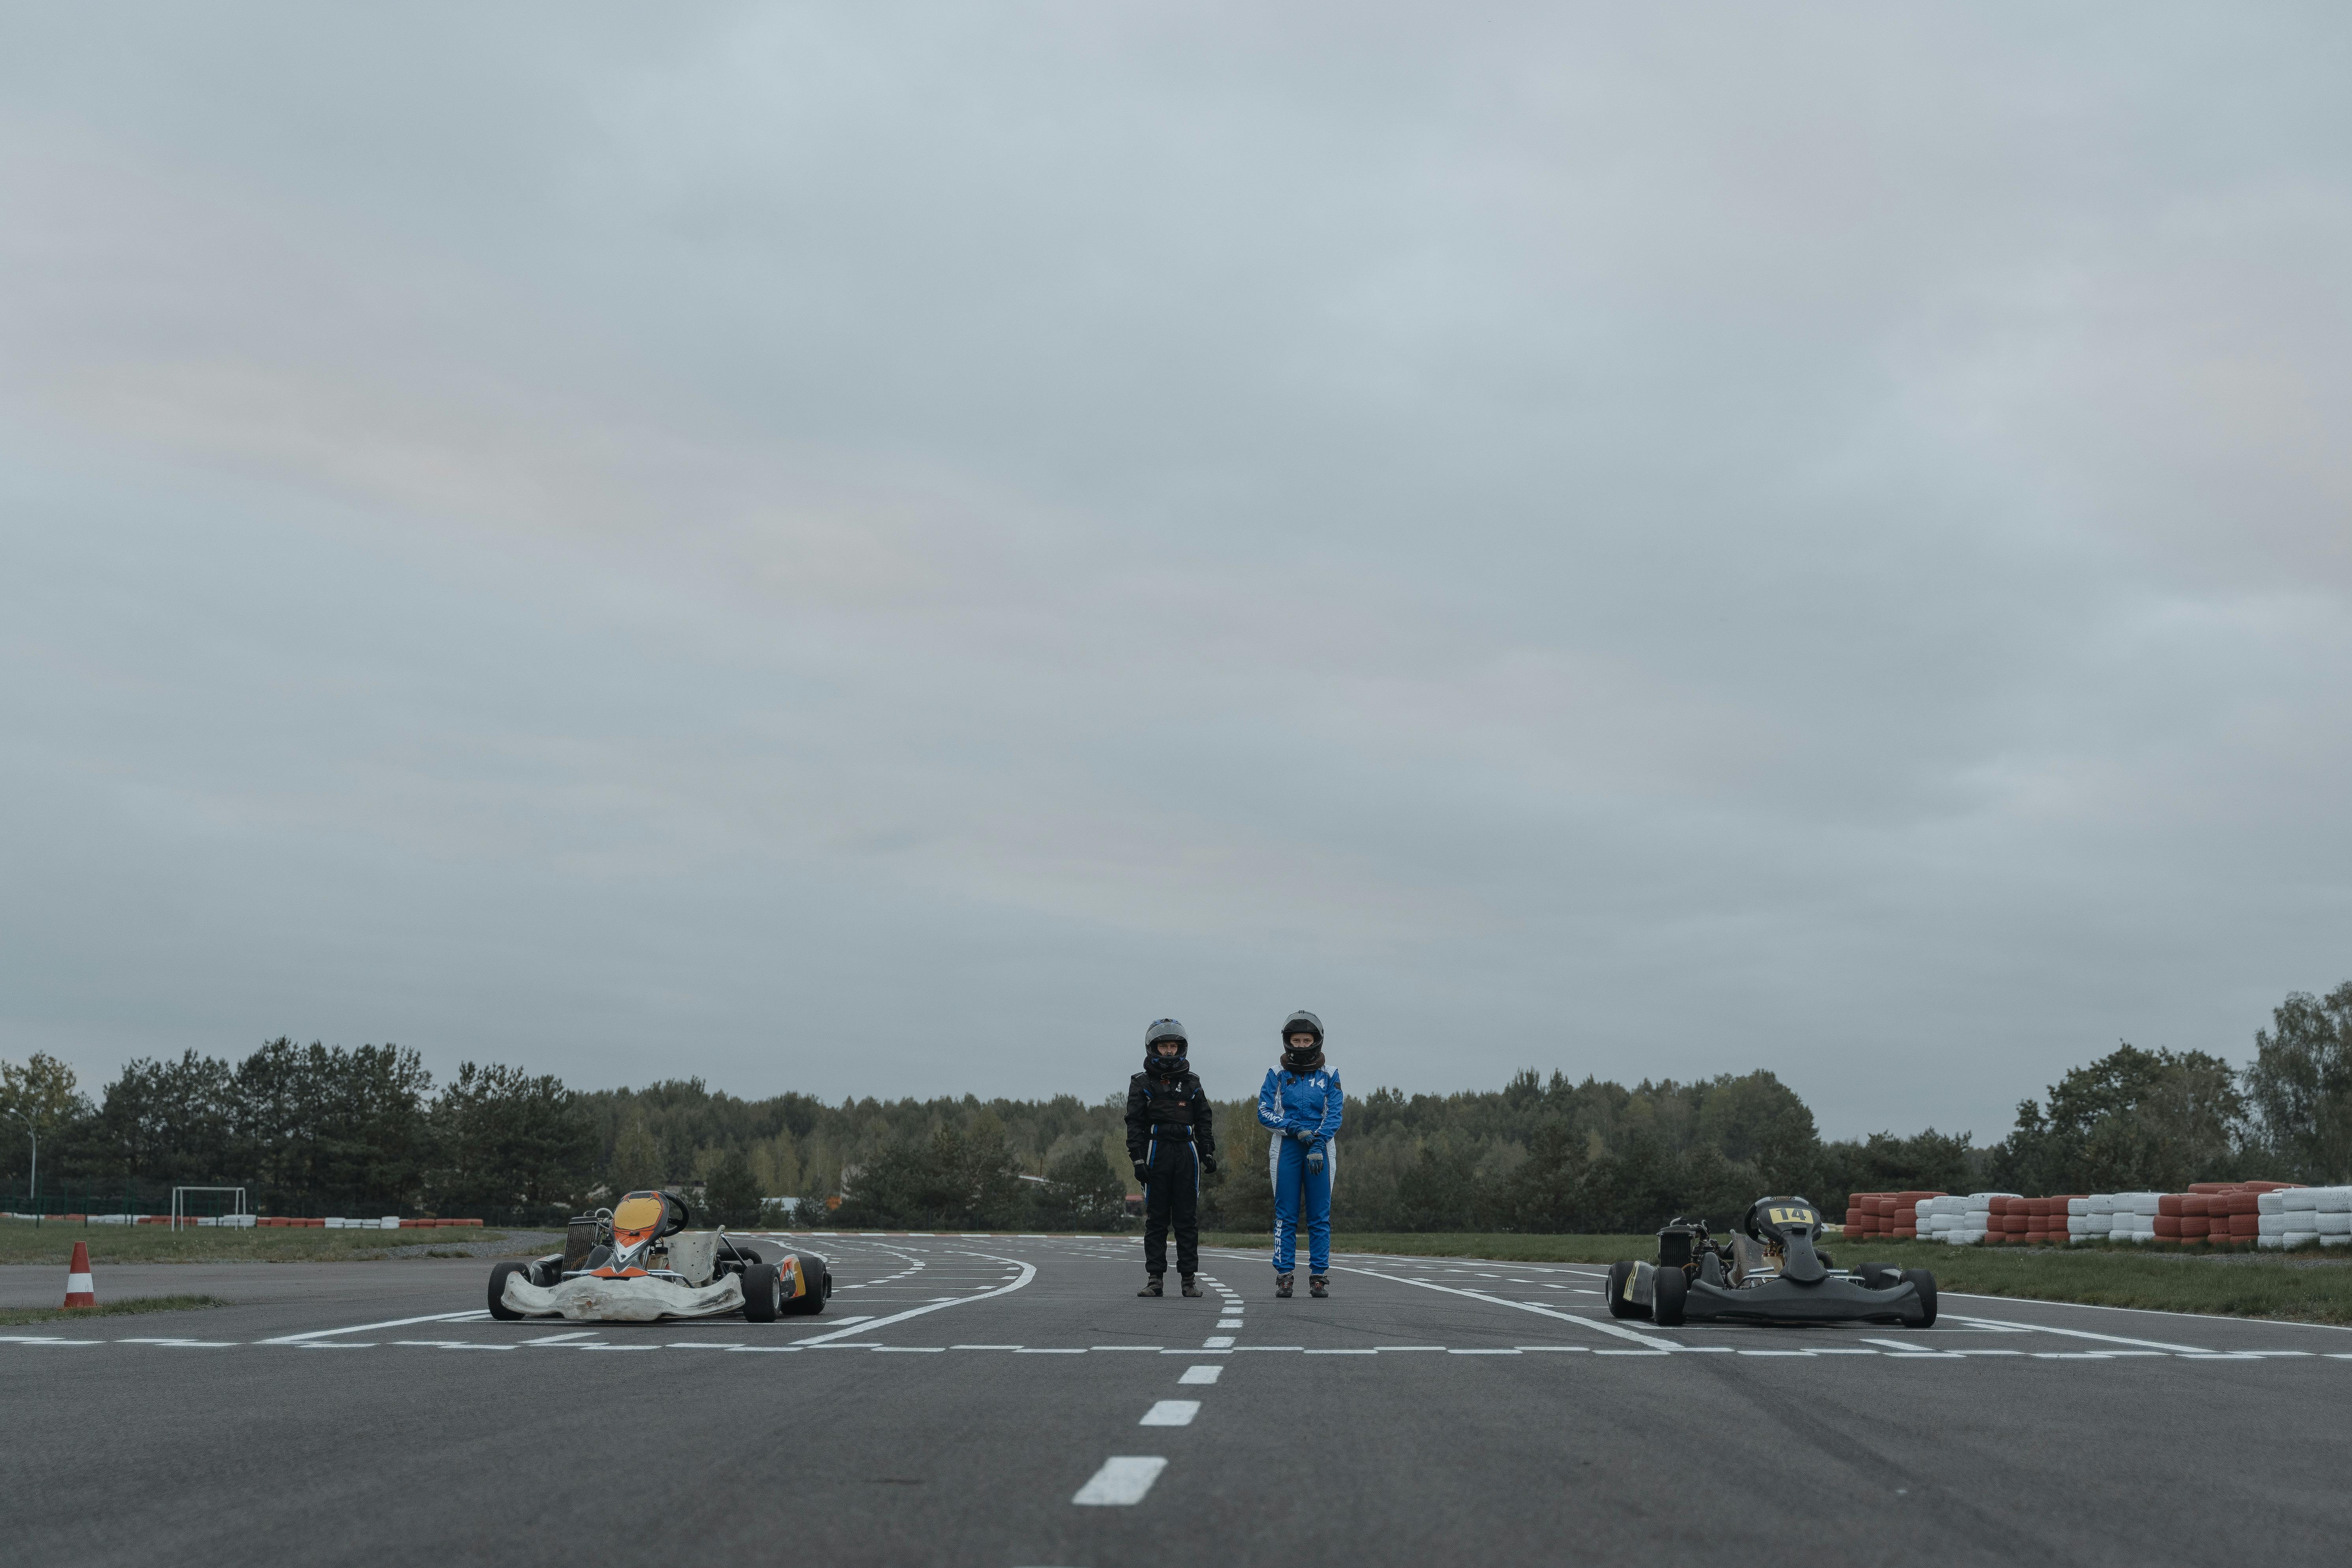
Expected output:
(1170, 1413)
(1121, 1482)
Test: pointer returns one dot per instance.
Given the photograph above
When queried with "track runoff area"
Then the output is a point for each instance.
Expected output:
(1004, 1401)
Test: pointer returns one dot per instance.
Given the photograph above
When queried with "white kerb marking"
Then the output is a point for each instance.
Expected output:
(1170, 1413)
(1201, 1375)
(1122, 1480)
(1218, 1343)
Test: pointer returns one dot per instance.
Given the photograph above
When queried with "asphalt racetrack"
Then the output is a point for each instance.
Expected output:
(1005, 1400)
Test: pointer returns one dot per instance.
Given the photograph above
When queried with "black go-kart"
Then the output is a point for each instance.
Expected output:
(1769, 1273)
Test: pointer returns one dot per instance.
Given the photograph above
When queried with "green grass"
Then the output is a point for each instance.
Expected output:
(132, 1308)
(22, 1241)
(1500, 1247)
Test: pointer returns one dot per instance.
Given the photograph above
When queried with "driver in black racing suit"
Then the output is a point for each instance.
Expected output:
(1171, 1140)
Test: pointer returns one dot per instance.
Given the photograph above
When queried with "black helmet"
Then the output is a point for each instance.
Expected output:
(1302, 1023)
(1165, 1029)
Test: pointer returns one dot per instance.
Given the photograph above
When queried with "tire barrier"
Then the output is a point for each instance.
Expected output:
(2298, 1216)
(2223, 1214)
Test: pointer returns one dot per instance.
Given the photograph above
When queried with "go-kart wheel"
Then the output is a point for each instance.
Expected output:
(1621, 1278)
(1668, 1287)
(828, 1284)
(500, 1274)
(1877, 1275)
(762, 1297)
(1927, 1285)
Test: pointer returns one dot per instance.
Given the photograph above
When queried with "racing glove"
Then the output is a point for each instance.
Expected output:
(1304, 1135)
(1142, 1172)
(1315, 1159)
(1209, 1163)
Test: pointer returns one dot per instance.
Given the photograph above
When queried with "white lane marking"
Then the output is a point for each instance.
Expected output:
(1229, 1322)
(2153, 1312)
(1202, 1374)
(1613, 1329)
(1170, 1413)
(1025, 1350)
(1028, 1272)
(1342, 1352)
(1122, 1480)
(2086, 1334)
(479, 1314)
(188, 1344)
(1149, 1350)
(44, 1340)
(562, 1339)
(456, 1344)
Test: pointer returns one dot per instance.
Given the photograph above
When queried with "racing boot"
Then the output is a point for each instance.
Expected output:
(1282, 1286)
(1191, 1289)
(1151, 1288)
(1317, 1285)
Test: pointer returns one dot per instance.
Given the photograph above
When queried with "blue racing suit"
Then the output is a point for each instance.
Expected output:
(1291, 1103)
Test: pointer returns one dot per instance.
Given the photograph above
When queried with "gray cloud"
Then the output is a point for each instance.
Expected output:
(875, 552)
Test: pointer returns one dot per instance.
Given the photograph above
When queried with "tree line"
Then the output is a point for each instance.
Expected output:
(317, 1128)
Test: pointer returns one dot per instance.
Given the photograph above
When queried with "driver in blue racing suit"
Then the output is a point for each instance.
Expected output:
(1301, 1103)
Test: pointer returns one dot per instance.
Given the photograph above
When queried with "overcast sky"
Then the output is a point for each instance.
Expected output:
(877, 549)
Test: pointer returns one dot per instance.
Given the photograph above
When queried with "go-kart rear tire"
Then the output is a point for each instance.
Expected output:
(761, 1297)
(1620, 1276)
(1668, 1288)
(1925, 1283)
(500, 1274)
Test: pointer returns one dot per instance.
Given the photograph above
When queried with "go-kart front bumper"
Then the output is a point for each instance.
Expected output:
(628, 1299)
(1833, 1301)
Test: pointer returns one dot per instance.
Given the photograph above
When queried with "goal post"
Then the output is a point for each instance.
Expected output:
(180, 1215)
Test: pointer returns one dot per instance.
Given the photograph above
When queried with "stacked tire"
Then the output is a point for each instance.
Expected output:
(2308, 1215)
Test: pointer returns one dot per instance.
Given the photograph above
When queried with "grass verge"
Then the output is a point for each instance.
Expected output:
(133, 1307)
(22, 1241)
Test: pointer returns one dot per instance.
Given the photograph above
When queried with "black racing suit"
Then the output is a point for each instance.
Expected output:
(1169, 1130)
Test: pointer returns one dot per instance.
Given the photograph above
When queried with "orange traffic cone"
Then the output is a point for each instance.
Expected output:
(79, 1292)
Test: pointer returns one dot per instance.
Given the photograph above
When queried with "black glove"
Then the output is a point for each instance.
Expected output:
(1209, 1163)
(1142, 1172)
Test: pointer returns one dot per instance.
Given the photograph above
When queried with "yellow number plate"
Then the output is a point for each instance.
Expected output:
(1791, 1216)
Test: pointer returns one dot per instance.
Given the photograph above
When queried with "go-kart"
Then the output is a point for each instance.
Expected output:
(1770, 1273)
(637, 1262)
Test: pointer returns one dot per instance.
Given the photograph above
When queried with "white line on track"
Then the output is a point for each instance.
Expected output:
(2086, 1334)
(1170, 1413)
(1201, 1375)
(478, 1314)
(1619, 1332)
(1028, 1272)
(1122, 1481)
